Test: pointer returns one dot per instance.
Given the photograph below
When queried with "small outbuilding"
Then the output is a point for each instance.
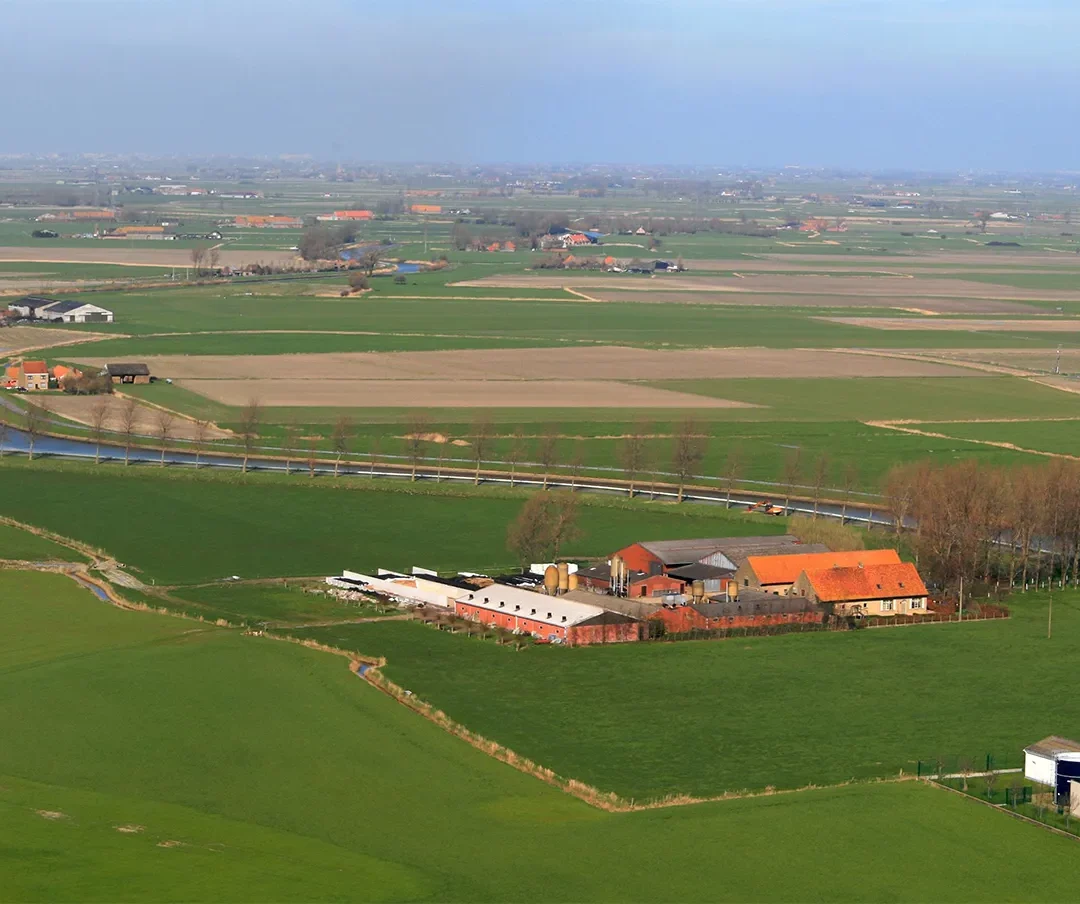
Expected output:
(130, 372)
(1055, 761)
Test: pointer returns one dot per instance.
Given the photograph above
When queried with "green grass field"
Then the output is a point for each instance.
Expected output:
(269, 525)
(238, 768)
(24, 546)
(713, 716)
(1061, 437)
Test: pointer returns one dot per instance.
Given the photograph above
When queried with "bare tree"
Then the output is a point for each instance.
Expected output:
(213, 257)
(250, 417)
(415, 436)
(562, 520)
(482, 431)
(849, 479)
(547, 451)
(821, 472)
(516, 454)
(200, 432)
(792, 475)
(369, 259)
(688, 452)
(376, 448)
(99, 419)
(633, 450)
(288, 445)
(198, 259)
(732, 469)
(340, 440)
(35, 419)
(991, 780)
(312, 454)
(527, 535)
(164, 421)
(129, 420)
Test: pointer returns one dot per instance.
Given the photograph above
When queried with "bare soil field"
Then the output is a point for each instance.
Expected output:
(599, 363)
(24, 338)
(973, 259)
(810, 284)
(143, 256)
(941, 323)
(1035, 360)
(919, 305)
(452, 394)
(80, 408)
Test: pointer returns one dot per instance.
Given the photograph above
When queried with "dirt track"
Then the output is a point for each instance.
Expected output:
(809, 284)
(79, 408)
(941, 323)
(452, 394)
(928, 305)
(599, 363)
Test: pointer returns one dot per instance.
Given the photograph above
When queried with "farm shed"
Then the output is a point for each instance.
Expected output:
(639, 584)
(778, 573)
(29, 305)
(1055, 761)
(890, 589)
(663, 556)
(73, 312)
(751, 609)
(416, 590)
(550, 618)
(127, 373)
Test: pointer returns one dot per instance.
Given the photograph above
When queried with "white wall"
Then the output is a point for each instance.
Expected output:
(1041, 769)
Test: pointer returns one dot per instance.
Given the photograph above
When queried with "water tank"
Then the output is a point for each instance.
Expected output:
(572, 581)
(551, 579)
(699, 591)
(564, 577)
(733, 590)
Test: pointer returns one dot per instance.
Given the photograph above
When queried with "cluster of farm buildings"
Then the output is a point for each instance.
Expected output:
(52, 310)
(37, 376)
(668, 586)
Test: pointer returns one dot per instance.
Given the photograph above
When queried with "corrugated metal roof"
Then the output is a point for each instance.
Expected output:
(552, 610)
(1053, 745)
(784, 569)
(682, 552)
(872, 582)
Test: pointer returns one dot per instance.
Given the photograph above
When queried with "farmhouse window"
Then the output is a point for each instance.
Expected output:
(887, 605)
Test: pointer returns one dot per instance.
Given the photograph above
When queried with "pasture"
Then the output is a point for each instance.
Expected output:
(268, 525)
(246, 769)
(707, 717)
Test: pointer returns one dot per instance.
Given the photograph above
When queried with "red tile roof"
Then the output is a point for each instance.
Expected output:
(785, 569)
(34, 367)
(874, 582)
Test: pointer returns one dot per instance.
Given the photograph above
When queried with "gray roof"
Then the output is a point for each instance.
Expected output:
(1053, 745)
(754, 603)
(739, 549)
(607, 617)
(699, 572)
(127, 370)
(683, 552)
(62, 307)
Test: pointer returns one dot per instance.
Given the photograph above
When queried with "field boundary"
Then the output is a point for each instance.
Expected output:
(1005, 810)
(999, 444)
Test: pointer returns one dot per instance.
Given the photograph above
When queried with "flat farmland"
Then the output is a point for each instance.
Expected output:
(18, 338)
(804, 284)
(595, 363)
(137, 254)
(150, 743)
(450, 393)
(146, 421)
(1058, 437)
(837, 302)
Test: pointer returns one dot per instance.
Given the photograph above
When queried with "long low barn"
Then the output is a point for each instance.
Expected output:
(549, 618)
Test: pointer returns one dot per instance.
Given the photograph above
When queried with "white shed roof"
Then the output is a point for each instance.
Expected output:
(553, 610)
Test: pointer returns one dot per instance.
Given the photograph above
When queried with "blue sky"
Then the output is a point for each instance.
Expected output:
(924, 84)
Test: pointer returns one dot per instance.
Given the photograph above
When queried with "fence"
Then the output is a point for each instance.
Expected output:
(960, 765)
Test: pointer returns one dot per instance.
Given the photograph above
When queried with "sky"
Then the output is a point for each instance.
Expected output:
(872, 84)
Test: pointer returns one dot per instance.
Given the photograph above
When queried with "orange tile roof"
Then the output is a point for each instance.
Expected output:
(874, 582)
(34, 367)
(785, 569)
(353, 214)
(13, 372)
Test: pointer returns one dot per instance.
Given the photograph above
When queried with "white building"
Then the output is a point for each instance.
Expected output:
(1043, 762)
(42, 308)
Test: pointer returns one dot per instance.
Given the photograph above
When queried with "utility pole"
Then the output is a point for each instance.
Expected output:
(1050, 618)
(961, 598)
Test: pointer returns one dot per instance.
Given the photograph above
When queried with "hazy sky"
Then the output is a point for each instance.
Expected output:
(927, 84)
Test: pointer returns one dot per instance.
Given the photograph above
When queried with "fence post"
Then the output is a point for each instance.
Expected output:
(918, 770)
